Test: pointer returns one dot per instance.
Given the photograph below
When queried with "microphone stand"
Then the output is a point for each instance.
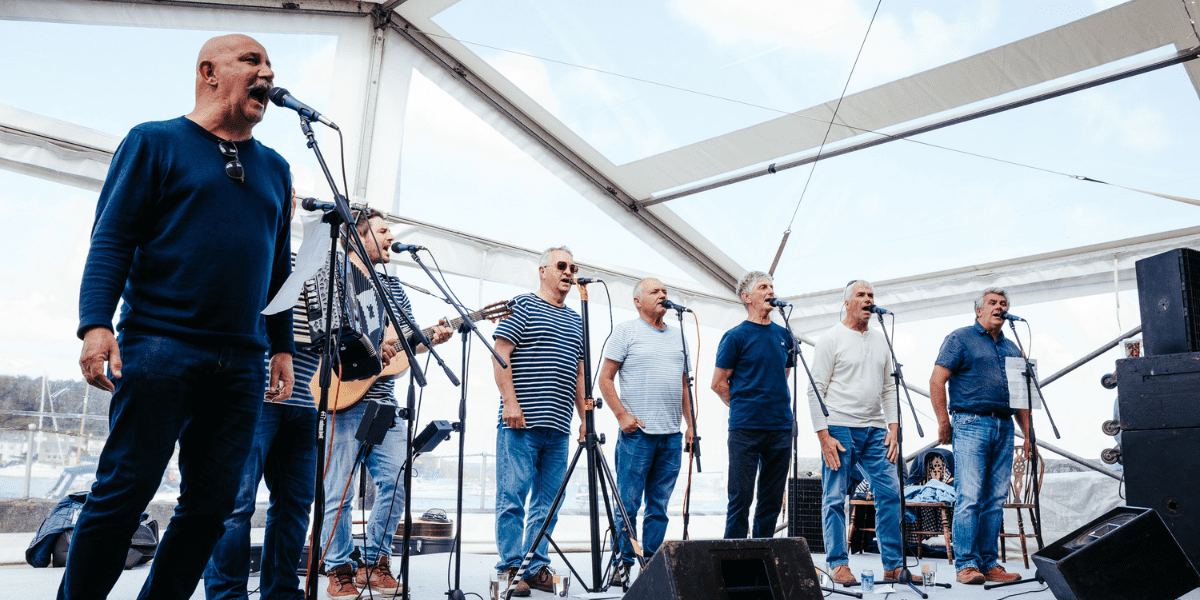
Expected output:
(465, 328)
(795, 353)
(1031, 383)
(693, 447)
(338, 215)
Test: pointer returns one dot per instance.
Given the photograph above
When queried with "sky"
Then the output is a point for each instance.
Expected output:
(896, 210)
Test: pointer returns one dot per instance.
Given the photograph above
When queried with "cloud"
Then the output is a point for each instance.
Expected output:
(1107, 117)
(898, 45)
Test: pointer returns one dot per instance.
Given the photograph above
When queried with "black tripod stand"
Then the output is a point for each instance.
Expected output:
(596, 466)
(1031, 383)
(798, 357)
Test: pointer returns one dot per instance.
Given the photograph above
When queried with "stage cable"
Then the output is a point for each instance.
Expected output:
(829, 126)
(695, 407)
(603, 344)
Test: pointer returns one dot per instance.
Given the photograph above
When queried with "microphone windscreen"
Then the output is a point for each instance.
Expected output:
(277, 94)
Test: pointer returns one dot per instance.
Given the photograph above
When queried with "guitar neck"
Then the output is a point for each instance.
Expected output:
(428, 331)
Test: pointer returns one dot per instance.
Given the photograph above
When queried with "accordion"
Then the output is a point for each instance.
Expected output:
(357, 354)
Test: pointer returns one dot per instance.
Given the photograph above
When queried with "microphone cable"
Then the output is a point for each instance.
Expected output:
(695, 409)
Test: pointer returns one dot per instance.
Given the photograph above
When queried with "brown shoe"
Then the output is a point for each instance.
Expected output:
(619, 574)
(377, 578)
(520, 588)
(999, 575)
(893, 574)
(543, 580)
(842, 574)
(971, 576)
(341, 583)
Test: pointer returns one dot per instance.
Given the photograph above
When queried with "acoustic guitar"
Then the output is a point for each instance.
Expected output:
(344, 394)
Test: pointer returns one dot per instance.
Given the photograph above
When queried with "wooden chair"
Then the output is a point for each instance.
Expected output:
(1020, 497)
(864, 520)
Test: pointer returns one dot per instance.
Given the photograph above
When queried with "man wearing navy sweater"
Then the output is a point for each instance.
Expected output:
(191, 232)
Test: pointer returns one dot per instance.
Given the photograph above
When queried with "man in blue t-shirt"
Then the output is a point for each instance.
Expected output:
(543, 344)
(753, 362)
(979, 424)
(648, 355)
(191, 233)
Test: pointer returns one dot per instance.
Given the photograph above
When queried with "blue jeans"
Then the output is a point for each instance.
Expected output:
(285, 454)
(864, 446)
(647, 464)
(384, 465)
(983, 451)
(529, 462)
(761, 454)
(207, 399)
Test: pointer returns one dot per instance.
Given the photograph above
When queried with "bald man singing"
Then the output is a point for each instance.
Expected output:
(191, 231)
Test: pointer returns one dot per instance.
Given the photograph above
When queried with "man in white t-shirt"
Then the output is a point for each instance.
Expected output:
(649, 356)
(852, 370)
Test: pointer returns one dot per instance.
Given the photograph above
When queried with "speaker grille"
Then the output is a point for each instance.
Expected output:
(804, 511)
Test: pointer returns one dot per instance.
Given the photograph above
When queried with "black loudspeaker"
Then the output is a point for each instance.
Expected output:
(1160, 473)
(804, 511)
(1169, 296)
(1159, 392)
(755, 569)
(1128, 553)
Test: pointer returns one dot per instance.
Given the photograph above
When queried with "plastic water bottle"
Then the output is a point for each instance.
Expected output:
(868, 580)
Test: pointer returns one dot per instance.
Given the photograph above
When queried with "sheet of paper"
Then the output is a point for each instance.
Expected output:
(312, 255)
(1018, 389)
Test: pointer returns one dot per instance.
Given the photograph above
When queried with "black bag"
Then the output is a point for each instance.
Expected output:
(53, 538)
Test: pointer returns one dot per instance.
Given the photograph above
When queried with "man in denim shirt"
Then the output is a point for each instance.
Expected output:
(980, 425)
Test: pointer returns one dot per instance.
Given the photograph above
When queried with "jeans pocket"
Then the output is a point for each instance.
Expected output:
(962, 419)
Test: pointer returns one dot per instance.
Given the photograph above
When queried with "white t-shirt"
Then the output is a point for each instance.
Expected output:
(651, 374)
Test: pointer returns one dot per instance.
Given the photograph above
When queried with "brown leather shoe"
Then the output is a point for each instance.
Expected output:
(893, 574)
(377, 578)
(341, 583)
(999, 575)
(520, 588)
(543, 580)
(971, 576)
(842, 574)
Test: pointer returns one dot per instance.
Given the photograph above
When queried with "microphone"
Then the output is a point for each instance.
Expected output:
(314, 204)
(1011, 317)
(587, 280)
(668, 304)
(398, 247)
(879, 310)
(281, 97)
(776, 302)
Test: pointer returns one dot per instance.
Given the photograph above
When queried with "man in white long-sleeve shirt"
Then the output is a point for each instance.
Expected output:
(852, 370)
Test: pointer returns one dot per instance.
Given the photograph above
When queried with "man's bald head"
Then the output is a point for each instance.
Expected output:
(233, 76)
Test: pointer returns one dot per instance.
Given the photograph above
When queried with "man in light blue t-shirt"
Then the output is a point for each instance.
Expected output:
(649, 356)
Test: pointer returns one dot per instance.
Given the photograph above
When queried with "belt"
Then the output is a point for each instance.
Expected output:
(999, 414)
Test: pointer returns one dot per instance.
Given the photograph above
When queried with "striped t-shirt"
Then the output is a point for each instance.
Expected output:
(651, 373)
(545, 361)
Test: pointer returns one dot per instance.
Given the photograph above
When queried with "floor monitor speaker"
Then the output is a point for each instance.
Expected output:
(1127, 553)
(754, 569)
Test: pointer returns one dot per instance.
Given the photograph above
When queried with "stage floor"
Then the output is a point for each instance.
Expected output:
(429, 580)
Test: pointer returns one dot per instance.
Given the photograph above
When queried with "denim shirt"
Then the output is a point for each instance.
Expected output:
(976, 364)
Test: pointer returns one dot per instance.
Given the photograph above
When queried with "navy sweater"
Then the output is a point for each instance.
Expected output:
(193, 254)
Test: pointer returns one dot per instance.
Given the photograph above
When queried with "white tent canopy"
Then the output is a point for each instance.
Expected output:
(674, 216)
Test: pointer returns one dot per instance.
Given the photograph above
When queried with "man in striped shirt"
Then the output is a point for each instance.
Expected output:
(386, 459)
(649, 356)
(543, 345)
